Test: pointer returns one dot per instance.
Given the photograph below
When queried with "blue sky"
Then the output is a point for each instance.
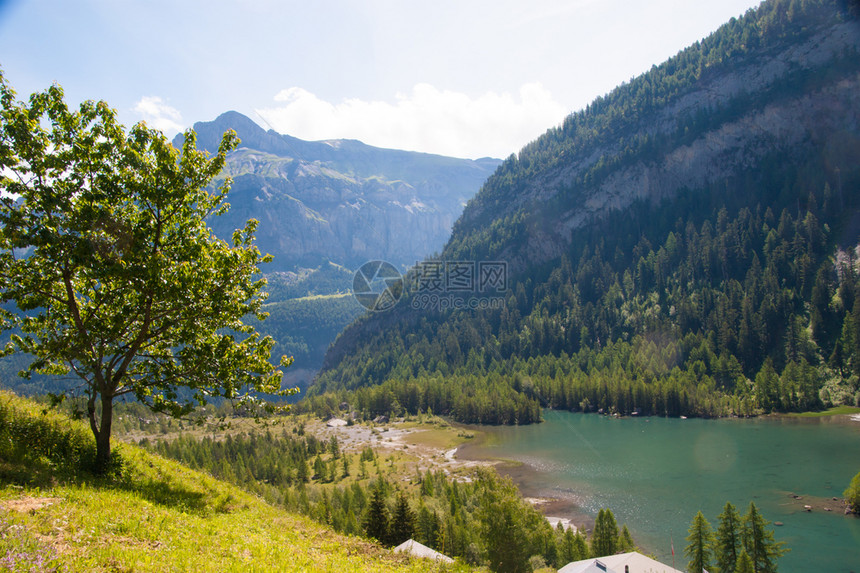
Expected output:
(456, 77)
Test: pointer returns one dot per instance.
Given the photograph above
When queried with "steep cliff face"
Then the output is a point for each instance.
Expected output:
(340, 201)
(796, 94)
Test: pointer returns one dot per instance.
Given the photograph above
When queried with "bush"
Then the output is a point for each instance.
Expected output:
(45, 438)
(852, 494)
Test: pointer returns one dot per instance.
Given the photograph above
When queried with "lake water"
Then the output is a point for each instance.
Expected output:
(656, 473)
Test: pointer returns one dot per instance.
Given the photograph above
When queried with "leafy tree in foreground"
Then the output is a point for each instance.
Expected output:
(109, 271)
(504, 535)
(700, 540)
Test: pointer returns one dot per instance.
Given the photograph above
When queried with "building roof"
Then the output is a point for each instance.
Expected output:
(632, 562)
(416, 549)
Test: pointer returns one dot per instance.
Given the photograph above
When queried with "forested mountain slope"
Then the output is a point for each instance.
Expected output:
(684, 245)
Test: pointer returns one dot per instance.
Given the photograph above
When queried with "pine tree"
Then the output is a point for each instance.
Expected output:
(728, 538)
(744, 564)
(759, 542)
(319, 469)
(302, 471)
(700, 540)
(376, 520)
(604, 540)
(626, 540)
(427, 527)
(402, 525)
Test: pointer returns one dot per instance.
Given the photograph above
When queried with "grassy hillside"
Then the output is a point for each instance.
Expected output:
(151, 514)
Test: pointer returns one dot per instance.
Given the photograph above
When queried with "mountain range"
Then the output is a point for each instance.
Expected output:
(339, 201)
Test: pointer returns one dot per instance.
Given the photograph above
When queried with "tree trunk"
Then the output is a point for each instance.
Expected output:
(102, 434)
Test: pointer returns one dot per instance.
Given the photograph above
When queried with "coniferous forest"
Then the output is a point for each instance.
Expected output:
(483, 520)
(739, 297)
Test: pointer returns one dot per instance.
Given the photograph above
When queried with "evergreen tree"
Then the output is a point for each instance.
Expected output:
(319, 469)
(302, 472)
(728, 538)
(626, 541)
(580, 546)
(604, 540)
(402, 525)
(700, 541)
(759, 543)
(376, 520)
(744, 564)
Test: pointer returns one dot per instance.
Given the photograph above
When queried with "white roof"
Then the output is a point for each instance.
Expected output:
(635, 563)
(416, 549)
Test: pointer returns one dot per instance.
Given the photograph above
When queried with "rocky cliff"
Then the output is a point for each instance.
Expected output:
(791, 91)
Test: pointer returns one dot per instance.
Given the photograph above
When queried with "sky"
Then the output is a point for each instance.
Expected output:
(465, 78)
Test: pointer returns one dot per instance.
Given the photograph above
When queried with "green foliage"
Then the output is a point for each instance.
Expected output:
(744, 563)
(305, 327)
(108, 269)
(484, 521)
(680, 334)
(38, 445)
(759, 543)
(733, 297)
(605, 538)
(376, 521)
(852, 494)
(157, 515)
(327, 279)
(744, 544)
(700, 542)
(727, 541)
(402, 526)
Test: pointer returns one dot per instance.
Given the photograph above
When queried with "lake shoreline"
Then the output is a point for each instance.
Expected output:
(573, 464)
(552, 503)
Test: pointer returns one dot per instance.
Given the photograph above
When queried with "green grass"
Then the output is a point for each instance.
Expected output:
(152, 515)
(834, 411)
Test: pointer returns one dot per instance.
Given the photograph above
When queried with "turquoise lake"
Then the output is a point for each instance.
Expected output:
(656, 473)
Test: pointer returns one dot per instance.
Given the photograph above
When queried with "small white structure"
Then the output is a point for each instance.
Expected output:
(632, 562)
(416, 549)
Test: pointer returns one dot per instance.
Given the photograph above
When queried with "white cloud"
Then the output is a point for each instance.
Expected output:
(426, 119)
(156, 113)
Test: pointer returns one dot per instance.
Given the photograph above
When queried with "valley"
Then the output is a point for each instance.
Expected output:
(675, 278)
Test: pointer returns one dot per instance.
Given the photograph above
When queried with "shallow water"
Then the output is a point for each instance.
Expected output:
(656, 473)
